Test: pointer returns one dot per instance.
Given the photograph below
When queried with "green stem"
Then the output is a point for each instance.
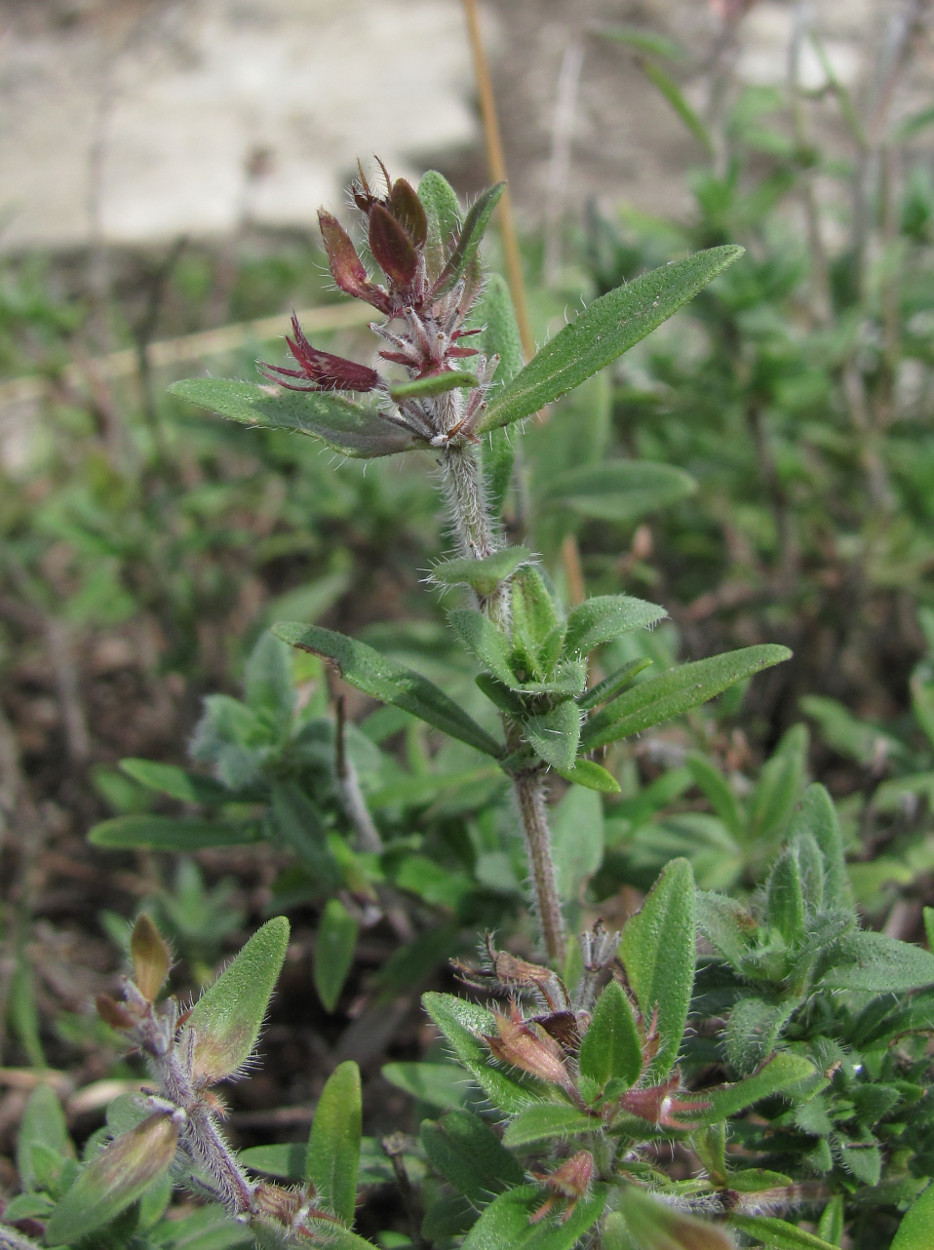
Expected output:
(530, 794)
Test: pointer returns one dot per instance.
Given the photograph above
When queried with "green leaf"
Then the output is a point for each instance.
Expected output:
(468, 241)
(817, 816)
(914, 1231)
(178, 783)
(345, 425)
(384, 679)
(438, 1084)
(605, 618)
(781, 1073)
(470, 1155)
(784, 898)
(654, 1225)
(554, 735)
(611, 1047)
(43, 1122)
(268, 685)
(286, 1161)
(659, 698)
(715, 787)
(545, 1120)
(301, 828)
(658, 952)
(675, 97)
(483, 575)
(591, 776)
(170, 833)
(534, 620)
(500, 337)
(114, 1178)
(226, 1020)
(435, 384)
(485, 641)
(752, 1032)
(577, 839)
(779, 1233)
(334, 1142)
(506, 1222)
(603, 331)
(876, 963)
(462, 1023)
(334, 951)
(443, 212)
(612, 685)
(619, 491)
(726, 924)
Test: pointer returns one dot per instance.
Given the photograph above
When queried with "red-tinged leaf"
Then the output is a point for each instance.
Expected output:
(151, 958)
(392, 248)
(346, 267)
(408, 211)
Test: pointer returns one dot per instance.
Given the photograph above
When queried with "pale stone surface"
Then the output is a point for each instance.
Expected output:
(145, 119)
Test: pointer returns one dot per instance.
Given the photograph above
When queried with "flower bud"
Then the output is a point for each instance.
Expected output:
(151, 958)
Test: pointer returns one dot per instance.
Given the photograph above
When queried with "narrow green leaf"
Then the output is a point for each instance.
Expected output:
(462, 1023)
(114, 1178)
(469, 1154)
(178, 783)
(286, 1161)
(779, 1234)
(534, 616)
(345, 425)
(781, 1073)
(469, 237)
(494, 314)
(506, 1222)
(384, 679)
(300, 827)
(619, 491)
(545, 1120)
(715, 787)
(658, 951)
(577, 839)
(817, 816)
(641, 40)
(659, 698)
(614, 683)
(785, 899)
(443, 213)
(914, 1231)
(591, 776)
(435, 384)
(611, 1046)
(605, 618)
(675, 97)
(876, 963)
(485, 641)
(603, 331)
(554, 735)
(483, 575)
(334, 1142)
(226, 1020)
(170, 833)
(43, 1121)
(334, 950)
(438, 1084)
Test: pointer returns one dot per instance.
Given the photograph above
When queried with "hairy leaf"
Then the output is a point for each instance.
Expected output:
(333, 1153)
(603, 331)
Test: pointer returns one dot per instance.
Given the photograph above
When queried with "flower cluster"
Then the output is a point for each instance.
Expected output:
(431, 286)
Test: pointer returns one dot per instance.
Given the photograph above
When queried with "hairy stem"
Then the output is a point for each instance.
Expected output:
(530, 794)
(462, 481)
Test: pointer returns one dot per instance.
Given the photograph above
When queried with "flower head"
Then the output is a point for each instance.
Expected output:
(428, 299)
